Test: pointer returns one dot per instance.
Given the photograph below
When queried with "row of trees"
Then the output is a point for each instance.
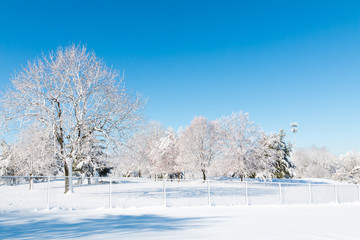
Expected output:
(232, 146)
(317, 162)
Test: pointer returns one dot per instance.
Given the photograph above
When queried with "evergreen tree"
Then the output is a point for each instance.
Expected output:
(282, 151)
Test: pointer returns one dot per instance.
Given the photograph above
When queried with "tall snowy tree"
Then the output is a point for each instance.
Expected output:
(73, 93)
(199, 145)
(240, 144)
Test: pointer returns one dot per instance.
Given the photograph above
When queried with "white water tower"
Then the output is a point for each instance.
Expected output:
(294, 129)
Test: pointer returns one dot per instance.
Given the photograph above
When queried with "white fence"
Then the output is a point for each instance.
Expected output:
(91, 193)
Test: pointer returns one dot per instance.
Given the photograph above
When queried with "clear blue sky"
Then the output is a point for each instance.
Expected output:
(281, 61)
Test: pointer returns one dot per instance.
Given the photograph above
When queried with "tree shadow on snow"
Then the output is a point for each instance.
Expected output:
(115, 225)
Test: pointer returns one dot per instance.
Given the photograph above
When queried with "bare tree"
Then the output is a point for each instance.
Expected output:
(199, 145)
(75, 94)
(240, 144)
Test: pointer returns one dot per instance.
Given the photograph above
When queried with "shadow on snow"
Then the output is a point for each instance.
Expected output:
(33, 228)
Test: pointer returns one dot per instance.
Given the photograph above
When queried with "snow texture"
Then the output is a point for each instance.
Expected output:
(256, 222)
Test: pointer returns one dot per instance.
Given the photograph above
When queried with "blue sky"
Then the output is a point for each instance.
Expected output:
(281, 61)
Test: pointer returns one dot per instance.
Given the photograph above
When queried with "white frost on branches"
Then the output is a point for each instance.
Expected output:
(199, 145)
(73, 93)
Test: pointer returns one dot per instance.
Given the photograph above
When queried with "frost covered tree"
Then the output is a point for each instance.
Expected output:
(73, 93)
(136, 155)
(164, 154)
(266, 157)
(32, 155)
(348, 167)
(240, 144)
(318, 162)
(199, 145)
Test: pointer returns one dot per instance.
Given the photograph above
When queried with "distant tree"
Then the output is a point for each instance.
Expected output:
(266, 157)
(199, 145)
(348, 167)
(240, 142)
(73, 93)
(165, 153)
(314, 162)
(136, 156)
(32, 154)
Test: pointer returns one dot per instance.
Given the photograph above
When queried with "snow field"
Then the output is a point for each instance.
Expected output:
(296, 222)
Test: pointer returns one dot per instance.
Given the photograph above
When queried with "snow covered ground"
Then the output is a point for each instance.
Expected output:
(279, 209)
(330, 221)
(135, 192)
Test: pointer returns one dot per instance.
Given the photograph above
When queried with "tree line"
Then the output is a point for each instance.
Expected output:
(72, 115)
(231, 146)
(315, 162)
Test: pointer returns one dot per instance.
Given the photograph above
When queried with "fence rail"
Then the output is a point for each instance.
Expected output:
(39, 192)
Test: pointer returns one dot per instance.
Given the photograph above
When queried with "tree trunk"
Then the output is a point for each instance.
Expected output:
(31, 182)
(204, 174)
(60, 138)
(66, 177)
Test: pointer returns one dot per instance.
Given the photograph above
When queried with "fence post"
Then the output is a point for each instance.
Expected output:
(110, 192)
(48, 194)
(246, 194)
(164, 191)
(336, 195)
(280, 194)
(310, 195)
(208, 190)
